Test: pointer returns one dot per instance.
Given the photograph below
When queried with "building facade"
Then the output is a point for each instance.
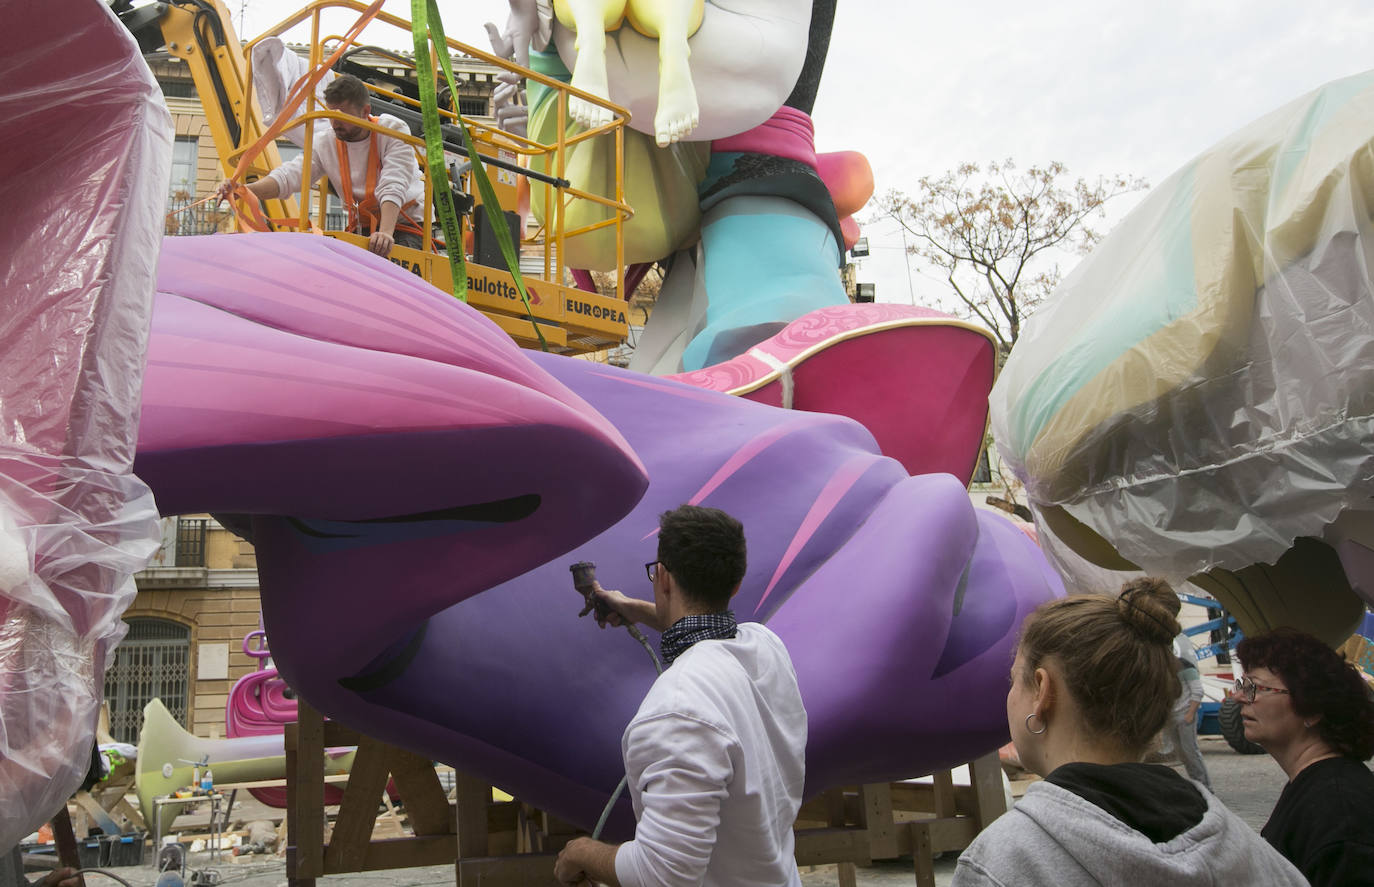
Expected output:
(196, 603)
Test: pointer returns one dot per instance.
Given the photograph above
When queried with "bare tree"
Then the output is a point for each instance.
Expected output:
(993, 232)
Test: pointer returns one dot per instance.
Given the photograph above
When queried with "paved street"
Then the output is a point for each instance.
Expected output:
(1249, 784)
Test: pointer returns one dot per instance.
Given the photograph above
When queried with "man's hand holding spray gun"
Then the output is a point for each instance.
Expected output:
(613, 608)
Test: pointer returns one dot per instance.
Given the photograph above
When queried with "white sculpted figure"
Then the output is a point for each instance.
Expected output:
(670, 22)
(745, 59)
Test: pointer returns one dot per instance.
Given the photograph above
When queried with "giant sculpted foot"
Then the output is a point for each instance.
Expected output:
(589, 19)
(677, 113)
(419, 487)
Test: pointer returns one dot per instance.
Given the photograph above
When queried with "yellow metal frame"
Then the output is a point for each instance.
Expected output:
(587, 318)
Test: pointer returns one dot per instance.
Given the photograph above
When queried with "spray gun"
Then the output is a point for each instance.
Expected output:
(584, 580)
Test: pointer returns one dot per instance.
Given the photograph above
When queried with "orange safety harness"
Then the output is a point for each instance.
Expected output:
(245, 204)
(368, 209)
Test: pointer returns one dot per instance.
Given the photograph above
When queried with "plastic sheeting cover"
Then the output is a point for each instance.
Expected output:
(83, 178)
(1199, 391)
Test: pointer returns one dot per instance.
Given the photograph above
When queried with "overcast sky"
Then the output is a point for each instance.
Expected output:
(1105, 87)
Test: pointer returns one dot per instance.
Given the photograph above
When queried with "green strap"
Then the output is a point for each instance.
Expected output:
(434, 152)
(429, 25)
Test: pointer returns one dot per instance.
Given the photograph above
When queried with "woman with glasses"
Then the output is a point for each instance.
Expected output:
(1094, 681)
(1312, 712)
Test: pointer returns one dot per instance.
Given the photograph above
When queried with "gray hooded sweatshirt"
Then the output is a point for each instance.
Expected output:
(1055, 836)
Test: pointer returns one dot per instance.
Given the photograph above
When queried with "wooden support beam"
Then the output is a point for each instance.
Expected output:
(305, 797)
(884, 821)
(922, 856)
(473, 796)
(402, 853)
(819, 846)
(122, 807)
(427, 806)
(985, 775)
(834, 808)
(336, 735)
(931, 837)
(348, 843)
(332, 779)
(525, 870)
(65, 839)
(925, 797)
(875, 816)
(943, 782)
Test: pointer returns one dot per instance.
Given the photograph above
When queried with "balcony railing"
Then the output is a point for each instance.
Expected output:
(191, 542)
(185, 216)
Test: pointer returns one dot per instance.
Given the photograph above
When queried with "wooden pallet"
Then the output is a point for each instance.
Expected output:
(509, 844)
(853, 826)
(106, 806)
(477, 835)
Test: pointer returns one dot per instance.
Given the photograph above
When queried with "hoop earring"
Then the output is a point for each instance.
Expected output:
(1043, 725)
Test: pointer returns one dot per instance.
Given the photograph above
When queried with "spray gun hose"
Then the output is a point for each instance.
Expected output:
(615, 796)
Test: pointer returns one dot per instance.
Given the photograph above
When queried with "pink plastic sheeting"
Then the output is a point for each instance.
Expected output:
(83, 179)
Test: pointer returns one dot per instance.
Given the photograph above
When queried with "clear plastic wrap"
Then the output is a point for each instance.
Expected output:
(1200, 391)
(83, 180)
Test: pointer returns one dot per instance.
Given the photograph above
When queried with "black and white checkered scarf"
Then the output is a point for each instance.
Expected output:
(685, 632)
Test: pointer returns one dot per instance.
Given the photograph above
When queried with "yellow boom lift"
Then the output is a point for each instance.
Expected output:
(571, 320)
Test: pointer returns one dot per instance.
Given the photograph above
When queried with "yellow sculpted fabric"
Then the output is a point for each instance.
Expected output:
(660, 185)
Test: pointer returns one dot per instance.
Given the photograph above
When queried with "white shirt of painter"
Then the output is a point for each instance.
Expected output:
(716, 761)
(398, 179)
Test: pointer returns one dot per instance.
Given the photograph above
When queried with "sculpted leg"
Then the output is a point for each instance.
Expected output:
(671, 22)
(590, 19)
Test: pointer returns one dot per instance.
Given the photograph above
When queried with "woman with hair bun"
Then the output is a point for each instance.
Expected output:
(1312, 712)
(1094, 681)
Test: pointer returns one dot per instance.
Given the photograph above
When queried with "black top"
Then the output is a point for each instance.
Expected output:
(1150, 798)
(1324, 823)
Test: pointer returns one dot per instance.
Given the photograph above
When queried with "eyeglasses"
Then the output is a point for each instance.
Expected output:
(1245, 689)
(651, 568)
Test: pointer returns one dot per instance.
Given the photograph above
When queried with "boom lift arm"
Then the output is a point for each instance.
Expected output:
(201, 34)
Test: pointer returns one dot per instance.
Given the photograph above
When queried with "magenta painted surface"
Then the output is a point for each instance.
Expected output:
(918, 381)
(788, 133)
(839, 484)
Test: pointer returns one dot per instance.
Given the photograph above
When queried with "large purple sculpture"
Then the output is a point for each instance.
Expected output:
(418, 486)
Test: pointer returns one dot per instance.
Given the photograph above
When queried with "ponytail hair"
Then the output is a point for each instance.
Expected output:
(1116, 656)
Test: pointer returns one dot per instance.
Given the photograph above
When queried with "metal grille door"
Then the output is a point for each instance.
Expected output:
(153, 661)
